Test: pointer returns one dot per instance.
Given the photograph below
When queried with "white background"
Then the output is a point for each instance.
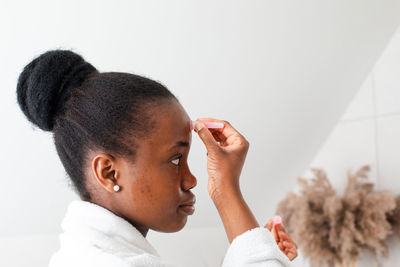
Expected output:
(282, 73)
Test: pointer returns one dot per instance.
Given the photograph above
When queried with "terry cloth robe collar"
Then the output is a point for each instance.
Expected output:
(96, 226)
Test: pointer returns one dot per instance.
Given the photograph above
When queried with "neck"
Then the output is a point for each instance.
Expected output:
(142, 229)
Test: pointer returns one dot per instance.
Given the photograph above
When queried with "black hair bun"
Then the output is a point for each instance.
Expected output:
(45, 84)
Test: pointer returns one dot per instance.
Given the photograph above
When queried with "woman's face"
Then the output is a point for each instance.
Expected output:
(159, 179)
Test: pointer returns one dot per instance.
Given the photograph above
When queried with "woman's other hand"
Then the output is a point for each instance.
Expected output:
(283, 240)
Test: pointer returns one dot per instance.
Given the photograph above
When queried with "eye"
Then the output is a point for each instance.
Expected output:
(176, 161)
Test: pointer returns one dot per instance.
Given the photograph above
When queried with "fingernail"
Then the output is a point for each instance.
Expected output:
(198, 126)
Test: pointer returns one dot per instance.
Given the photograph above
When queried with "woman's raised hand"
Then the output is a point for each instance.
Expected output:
(226, 151)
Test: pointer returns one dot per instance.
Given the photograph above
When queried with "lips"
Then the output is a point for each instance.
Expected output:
(189, 202)
(188, 207)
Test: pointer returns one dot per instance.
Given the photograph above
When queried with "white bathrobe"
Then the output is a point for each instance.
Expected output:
(94, 236)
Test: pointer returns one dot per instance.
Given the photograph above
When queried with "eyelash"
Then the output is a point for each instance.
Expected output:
(179, 158)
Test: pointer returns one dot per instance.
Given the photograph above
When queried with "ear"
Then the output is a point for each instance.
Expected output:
(105, 171)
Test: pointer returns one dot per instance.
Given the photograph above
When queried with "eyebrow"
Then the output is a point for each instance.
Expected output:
(179, 144)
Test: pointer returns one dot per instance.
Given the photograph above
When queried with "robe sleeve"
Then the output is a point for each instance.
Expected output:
(255, 248)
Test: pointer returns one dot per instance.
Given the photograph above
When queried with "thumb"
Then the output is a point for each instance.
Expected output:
(205, 136)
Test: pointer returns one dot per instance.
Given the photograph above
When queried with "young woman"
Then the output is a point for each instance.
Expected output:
(124, 141)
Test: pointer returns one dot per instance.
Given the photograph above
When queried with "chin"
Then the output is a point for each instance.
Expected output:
(179, 226)
(174, 227)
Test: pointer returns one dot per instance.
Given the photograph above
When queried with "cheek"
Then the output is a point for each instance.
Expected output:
(164, 195)
(155, 193)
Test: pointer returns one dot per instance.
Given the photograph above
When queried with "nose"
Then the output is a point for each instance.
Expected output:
(189, 180)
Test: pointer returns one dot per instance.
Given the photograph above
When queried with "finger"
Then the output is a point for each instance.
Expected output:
(269, 225)
(276, 236)
(279, 228)
(292, 254)
(281, 247)
(218, 136)
(281, 233)
(276, 232)
(288, 245)
(206, 136)
(227, 131)
(284, 236)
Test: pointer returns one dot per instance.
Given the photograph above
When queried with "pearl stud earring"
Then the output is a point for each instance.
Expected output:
(116, 188)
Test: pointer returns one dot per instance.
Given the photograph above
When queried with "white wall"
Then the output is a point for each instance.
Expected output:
(281, 71)
(368, 133)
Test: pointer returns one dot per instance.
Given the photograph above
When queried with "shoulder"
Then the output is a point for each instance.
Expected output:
(92, 256)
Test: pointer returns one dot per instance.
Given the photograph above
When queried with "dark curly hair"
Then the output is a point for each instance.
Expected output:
(86, 109)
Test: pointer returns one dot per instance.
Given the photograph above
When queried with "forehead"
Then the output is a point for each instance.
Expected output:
(172, 124)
